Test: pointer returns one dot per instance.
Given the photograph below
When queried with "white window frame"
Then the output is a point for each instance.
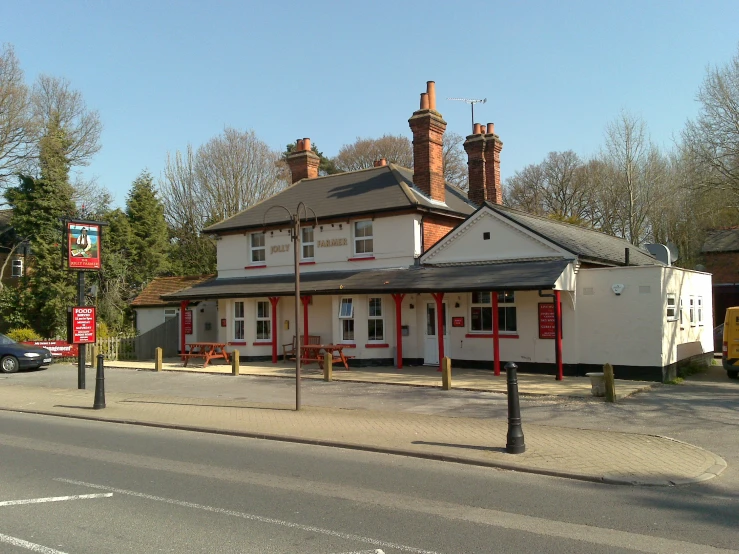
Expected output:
(375, 318)
(682, 322)
(259, 319)
(253, 250)
(16, 268)
(504, 304)
(363, 238)
(482, 306)
(346, 317)
(238, 308)
(692, 311)
(671, 310)
(305, 243)
(700, 311)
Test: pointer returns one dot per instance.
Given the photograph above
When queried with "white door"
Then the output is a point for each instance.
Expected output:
(431, 344)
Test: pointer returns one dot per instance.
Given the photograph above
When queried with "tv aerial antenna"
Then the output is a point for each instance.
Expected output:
(471, 102)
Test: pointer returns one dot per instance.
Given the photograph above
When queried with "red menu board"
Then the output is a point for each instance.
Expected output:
(188, 322)
(546, 320)
(83, 325)
(83, 245)
(458, 322)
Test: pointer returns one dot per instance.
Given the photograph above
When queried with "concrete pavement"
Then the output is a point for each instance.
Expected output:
(592, 455)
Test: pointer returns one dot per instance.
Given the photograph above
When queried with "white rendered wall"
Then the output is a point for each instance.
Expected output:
(394, 244)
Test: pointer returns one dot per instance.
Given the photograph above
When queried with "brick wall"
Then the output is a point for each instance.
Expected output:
(434, 228)
(723, 265)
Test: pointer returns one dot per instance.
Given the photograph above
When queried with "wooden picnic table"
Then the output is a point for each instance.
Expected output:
(311, 353)
(206, 350)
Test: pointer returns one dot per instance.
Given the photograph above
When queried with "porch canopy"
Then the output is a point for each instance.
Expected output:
(518, 275)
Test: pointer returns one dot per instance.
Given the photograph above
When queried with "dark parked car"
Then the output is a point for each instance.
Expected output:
(15, 356)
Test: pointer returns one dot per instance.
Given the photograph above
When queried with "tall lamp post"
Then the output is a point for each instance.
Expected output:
(295, 218)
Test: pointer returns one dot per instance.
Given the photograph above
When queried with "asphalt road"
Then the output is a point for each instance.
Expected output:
(173, 491)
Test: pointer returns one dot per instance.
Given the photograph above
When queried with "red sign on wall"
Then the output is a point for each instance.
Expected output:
(546, 321)
(457, 322)
(58, 348)
(188, 322)
(83, 325)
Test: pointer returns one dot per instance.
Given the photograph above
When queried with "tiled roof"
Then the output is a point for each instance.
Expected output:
(530, 275)
(151, 295)
(722, 240)
(587, 244)
(354, 193)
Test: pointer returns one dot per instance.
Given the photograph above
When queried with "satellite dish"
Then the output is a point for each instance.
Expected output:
(659, 251)
(700, 267)
(672, 247)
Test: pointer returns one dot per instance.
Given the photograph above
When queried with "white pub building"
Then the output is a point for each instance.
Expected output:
(403, 269)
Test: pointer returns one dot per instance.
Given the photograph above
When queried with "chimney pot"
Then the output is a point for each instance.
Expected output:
(306, 144)
(431, 91)
(424, 101)
(476, 129)
(383, 161)
(491, 128)
(299, 145)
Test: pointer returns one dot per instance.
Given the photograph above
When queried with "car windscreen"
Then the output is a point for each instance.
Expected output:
(5, 340)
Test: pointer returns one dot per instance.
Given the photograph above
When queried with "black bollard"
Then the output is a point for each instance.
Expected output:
(514, 440)
(100, 385)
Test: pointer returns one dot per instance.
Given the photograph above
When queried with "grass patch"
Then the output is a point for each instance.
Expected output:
(675, 381)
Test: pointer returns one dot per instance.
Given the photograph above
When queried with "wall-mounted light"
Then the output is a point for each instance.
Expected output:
(456, 304)
(271, 233)
(321, 228)
(340, 227)
(411, 306)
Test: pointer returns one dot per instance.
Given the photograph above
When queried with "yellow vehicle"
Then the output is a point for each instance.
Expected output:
(730, 352)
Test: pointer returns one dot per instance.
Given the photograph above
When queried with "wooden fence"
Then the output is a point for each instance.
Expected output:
(115, 348)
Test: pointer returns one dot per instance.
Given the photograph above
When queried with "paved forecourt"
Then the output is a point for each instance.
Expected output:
(424, 376)
(576, 453)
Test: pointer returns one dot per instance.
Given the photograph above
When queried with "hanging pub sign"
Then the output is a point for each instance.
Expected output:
(546, 320)
(83, 325)
(83, 245)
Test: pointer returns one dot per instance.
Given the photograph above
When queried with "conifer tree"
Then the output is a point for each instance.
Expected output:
(149, 242)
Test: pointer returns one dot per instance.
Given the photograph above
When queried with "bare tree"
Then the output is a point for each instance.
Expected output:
(235, 171)
(525, 190)
(53, 99)
(637, 176)
(713, 138)
(16, 136)
(397, 149)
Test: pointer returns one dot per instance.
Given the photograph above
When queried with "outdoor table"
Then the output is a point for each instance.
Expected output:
(310, 353)
(206, 350)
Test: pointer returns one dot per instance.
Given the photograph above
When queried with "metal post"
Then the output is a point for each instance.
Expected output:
(82, 348)
(100, 385)
(514, 439)
(296, 247)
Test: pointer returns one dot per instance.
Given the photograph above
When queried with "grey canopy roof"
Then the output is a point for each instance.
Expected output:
(525, 275)
(368, 191)
(587, 244)
(722, 240)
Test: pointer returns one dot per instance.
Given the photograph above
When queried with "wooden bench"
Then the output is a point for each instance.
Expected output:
(290, 349)
(207, 351)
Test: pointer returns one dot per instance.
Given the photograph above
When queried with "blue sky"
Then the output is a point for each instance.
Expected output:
(164, 74)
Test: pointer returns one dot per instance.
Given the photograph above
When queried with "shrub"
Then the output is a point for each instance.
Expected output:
(103, 332)
(23, 334)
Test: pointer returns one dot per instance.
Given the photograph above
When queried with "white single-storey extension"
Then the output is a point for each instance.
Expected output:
(402, 268)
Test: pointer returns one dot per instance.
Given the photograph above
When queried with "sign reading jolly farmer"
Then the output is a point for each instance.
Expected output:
(83, 252)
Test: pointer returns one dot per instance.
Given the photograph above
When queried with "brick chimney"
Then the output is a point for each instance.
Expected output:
(428, 129)
(303, 162)
(483, 148)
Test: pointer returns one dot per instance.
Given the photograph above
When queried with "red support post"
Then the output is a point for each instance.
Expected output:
(496, 335)
(558, 334)
(398, 330)
(273, 300)
(305, 300)
(439, 297)
(183, 308)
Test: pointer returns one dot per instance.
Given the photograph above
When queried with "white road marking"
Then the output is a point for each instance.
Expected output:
(33, 547)
(252, 517)
(54, 499)
(378, 551)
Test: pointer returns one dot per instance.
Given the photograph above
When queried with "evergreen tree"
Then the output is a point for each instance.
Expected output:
(39, 206)
(149, 242)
